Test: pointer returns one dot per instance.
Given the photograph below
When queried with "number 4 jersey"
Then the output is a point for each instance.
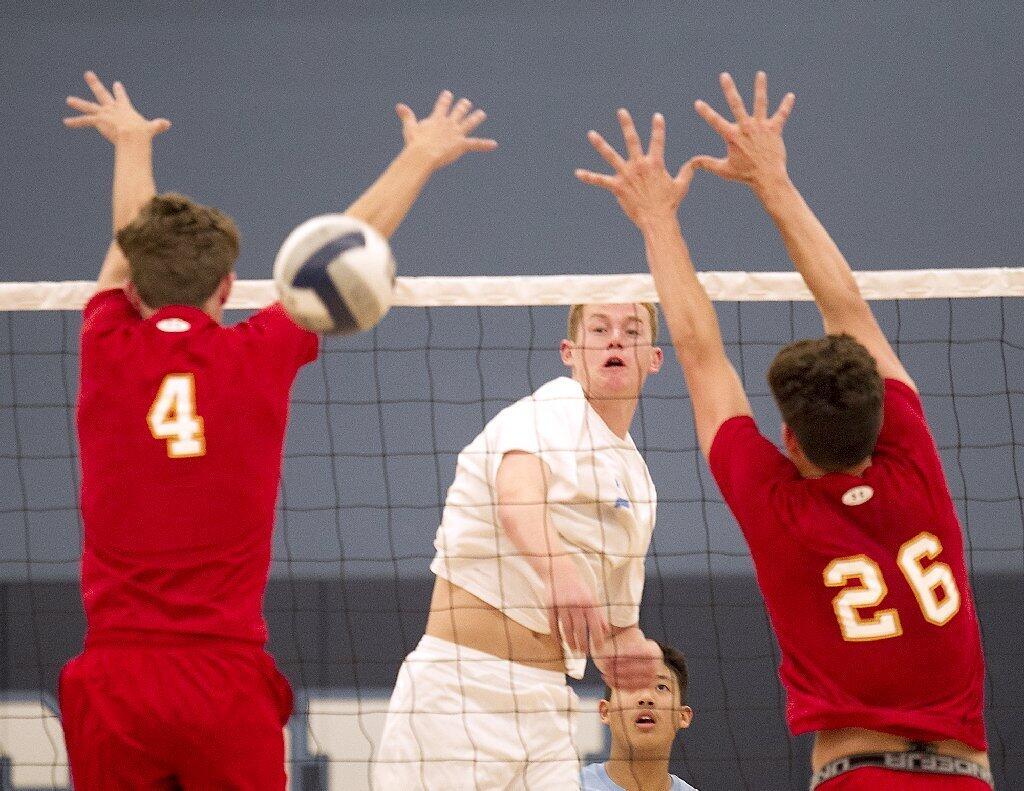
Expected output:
(181, 425)
(864, 581)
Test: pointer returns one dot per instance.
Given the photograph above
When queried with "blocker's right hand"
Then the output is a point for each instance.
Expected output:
(443, 136)
(574, 612)
(112, 114)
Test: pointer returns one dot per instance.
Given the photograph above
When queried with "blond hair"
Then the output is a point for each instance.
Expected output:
(575, 318)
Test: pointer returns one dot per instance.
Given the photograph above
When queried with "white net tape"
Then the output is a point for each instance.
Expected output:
(571, 289)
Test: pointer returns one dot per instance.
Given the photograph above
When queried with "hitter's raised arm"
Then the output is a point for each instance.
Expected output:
(431, 143)
(650, 197)
(756, 156)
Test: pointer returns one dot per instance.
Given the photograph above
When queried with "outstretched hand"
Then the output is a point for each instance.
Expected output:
(755, 153)
(444, 135)
(643, 186)
(112, 114)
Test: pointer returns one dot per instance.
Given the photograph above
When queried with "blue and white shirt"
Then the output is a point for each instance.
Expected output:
(595, 778)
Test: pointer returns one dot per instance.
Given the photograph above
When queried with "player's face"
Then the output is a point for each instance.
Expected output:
(612, 354)
(644, 722)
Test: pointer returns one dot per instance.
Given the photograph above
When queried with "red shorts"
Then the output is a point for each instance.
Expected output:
(175, 717)
(873, 779)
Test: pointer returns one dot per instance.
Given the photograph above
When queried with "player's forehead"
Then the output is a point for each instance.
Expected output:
(618, 313)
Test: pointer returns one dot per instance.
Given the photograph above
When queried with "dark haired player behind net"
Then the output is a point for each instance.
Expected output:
(181, 424)
(854, 537)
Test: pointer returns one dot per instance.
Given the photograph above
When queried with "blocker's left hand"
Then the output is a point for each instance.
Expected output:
(112, 114)
(444, 135)
(644, 188)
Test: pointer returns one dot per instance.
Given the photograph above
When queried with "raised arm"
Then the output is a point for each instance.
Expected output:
(114, 117)
(756, 156)
(430, 143)
(650, 197)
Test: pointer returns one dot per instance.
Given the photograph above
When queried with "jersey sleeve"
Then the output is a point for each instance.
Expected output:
(905, 446)
(107, 315)
(279, 338)
(904, 428)
(747, 468)
(543, 428)
(106, 312)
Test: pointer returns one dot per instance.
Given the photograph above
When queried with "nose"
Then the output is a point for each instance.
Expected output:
(646, 699)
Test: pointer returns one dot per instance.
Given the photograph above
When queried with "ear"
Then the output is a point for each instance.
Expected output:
(225, 286)
(602, 711)
(684, 716)
(657, 360)
(566, 349)
(791, 443)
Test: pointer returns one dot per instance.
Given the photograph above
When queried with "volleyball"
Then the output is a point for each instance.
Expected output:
(335, 275)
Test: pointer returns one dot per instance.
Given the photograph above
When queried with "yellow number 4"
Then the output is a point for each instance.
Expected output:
(934, 587)
(173, 417)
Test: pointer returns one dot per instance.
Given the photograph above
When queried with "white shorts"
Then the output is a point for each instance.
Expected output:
(460, 719)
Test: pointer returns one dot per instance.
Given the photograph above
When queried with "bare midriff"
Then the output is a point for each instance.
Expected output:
(459, 617)
(830, 745)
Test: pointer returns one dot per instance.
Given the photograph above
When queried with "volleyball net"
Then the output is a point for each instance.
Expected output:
(376, 425)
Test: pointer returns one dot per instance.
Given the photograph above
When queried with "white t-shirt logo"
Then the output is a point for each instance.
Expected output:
(858, 495)
(173, 325)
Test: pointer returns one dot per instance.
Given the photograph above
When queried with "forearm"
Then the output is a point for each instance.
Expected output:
(814, 253)
(134, 184)
(691, 318)
(387, 201)
(531, 532)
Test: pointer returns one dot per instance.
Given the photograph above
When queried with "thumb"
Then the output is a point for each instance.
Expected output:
(405, 115)
(159, 125)
(712, 164)
(685, 176)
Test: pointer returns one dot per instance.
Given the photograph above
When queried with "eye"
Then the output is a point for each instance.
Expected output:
(634, 332)
(663, 688)
(597, 329)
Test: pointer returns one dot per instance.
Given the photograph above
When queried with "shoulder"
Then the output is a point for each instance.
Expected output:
(549, 406)
(679, 784)
(595, 778)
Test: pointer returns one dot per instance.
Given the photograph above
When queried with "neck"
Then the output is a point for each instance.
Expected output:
(638, 772)
(617, 413)
(809, 470)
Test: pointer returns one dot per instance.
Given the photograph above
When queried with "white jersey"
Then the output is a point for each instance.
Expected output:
(601, 498)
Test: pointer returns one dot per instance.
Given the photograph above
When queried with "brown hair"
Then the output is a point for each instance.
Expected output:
(676, 662)
(575, 318)
(830, 395)
(178, 251)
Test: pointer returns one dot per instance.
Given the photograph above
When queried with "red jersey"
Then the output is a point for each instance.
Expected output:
(181, 426)
(864, 580)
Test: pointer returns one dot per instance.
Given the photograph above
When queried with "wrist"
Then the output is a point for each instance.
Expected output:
(133, 137)
(417, 160)
(770, 188)
(654, 223)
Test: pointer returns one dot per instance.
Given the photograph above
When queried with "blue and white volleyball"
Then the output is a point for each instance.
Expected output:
(335, 275)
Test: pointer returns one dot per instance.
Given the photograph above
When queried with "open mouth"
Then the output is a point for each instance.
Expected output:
(645, 721)
(615, 362)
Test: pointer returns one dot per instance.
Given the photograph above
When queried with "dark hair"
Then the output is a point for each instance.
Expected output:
(676, 662)
(178, 251)
(830, 395)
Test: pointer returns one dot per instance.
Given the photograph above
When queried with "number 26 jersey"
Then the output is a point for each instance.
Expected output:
(864, 580)
(181, 426)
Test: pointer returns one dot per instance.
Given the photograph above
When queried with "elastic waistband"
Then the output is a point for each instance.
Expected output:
(915, 761)
(434, 649)
(144, 639)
